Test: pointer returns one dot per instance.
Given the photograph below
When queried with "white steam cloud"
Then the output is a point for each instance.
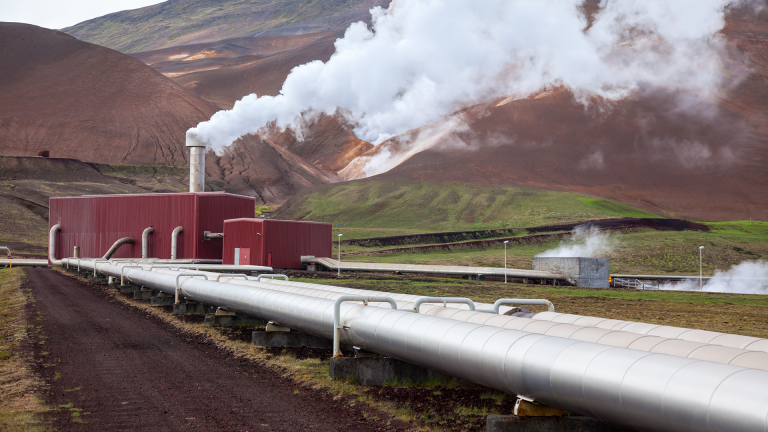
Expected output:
(749, 277)
(586, 241)
(425, 59)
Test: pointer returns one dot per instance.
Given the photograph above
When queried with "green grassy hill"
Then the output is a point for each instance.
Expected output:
(181, 22)
(373, 208)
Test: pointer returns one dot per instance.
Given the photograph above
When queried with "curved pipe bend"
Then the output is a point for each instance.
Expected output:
(52, 245)
(145, 242)
(175, 241)
(116, 246)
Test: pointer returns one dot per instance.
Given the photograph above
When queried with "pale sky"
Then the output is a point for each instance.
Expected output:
(57, 14)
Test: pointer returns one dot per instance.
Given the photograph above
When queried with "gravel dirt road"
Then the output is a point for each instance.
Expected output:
(111, 367)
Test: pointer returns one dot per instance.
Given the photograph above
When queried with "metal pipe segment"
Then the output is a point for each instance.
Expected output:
(116, 246)
(681, 348)
(634, 389)
(52, 245)
(436, 269)
(644, 329)
(6, 249)
(145, 241)
(175, 241)
(606, 329)
(686, 349)
(24, 262)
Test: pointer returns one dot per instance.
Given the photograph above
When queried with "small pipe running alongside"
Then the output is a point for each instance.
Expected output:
(175, 241)
(145, 241)
(116, 246)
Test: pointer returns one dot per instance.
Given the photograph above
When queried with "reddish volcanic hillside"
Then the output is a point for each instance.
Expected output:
(87, 102)
(666, 153)
(223, 72)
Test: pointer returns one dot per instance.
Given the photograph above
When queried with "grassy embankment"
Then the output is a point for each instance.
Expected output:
(19, 406)
(373, 209)
(376, 209)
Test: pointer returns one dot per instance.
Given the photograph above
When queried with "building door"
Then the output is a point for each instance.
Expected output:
(245, 256)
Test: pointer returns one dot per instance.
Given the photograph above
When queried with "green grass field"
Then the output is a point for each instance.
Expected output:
(642, 252)
(364, 209)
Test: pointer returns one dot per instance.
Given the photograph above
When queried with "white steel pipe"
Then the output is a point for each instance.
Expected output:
(634, 389)
(116, 246)
(175, 241)
(604, 327)
(6, 249)
(145, 241)
(52, 245)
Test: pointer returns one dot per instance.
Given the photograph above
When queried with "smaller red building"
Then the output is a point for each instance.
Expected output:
(275, 243)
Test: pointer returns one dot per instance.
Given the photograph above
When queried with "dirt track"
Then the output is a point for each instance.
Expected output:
(129, 371)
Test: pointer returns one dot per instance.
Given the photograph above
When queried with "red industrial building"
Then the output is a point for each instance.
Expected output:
(94, 223)
(275, 243)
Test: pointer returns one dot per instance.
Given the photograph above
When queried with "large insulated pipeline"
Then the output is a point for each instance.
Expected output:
(117, 244)
(52, 245)
(196, 163)
(634, 389)
(145, 241)
(6, 249)
(175, 241)
(636, 334)
(680, 348)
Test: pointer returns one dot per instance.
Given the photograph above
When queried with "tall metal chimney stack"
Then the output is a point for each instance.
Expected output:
(196, 164)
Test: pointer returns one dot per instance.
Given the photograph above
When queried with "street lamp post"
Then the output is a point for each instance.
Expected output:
(505, 260)
(701, 276)
(339, 268)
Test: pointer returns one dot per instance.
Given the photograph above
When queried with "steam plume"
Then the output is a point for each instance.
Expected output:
(749, 277)
(586, 241)
(425, 59)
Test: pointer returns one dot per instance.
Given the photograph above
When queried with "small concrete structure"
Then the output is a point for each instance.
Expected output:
(162, 299)
(512, 423)
(291, 339)
(218, 320)
(189, 307)
(586, 272)
(381, 370)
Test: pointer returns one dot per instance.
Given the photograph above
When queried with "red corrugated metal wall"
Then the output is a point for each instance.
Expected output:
(95, 222)
(287, 241)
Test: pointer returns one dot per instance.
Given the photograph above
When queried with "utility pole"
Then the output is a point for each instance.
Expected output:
(505, 260)
(339, 268)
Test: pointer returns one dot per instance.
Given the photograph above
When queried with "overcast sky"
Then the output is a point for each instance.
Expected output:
(57, 14)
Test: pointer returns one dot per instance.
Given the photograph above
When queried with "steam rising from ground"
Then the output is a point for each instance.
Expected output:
(749, 277)
(586, 241)
(425, 59)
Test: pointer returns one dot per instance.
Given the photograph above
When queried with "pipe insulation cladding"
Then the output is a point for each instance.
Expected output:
(196, 163)
(576, 326)
(634, 389)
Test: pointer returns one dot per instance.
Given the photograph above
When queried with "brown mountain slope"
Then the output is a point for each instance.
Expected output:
(227, 78)
(223, 72)
(87, 102)
(663, 152)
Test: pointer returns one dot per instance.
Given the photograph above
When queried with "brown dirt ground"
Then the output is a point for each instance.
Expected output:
(106, 366)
